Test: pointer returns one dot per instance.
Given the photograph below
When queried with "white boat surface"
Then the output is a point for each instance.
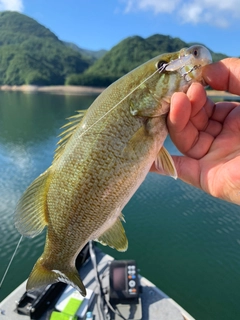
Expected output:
(155, 304)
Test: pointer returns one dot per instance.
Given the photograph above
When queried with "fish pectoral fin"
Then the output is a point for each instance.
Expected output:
(164, 163)
(138, 138)
(30, 214)
(115, 237)
(41, 276)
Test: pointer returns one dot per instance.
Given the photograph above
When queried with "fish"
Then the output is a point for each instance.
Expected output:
(103, 156)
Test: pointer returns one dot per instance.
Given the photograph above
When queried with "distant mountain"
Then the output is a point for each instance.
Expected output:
(127, 55)
(32, 54)
(94, 55)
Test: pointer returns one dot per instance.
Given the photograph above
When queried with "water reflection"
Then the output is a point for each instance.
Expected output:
(22, 116)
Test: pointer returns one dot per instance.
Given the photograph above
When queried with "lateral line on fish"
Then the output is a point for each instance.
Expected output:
(11, 260)
(115, 106)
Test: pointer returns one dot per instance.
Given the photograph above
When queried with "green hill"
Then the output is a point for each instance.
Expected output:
(125, 56)
(93, 55)
(32, 54)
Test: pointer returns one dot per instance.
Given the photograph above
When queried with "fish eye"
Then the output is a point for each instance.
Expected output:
(195, 53)
(160, 65)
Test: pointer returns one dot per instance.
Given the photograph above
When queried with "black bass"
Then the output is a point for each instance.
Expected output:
(102, 158)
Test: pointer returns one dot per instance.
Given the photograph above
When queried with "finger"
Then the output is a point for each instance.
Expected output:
(213, 128)
(224, 75)
(222, 110)
(188, 170)
(187, 131)
(220, 117)
(197, 96)
(181, 130)
(202, 108)
(180, 112)
(232, 121)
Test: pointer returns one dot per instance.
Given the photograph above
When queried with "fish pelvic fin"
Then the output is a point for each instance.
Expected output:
(115, 236)
(164, 163)
(31, 212)
(41, 276)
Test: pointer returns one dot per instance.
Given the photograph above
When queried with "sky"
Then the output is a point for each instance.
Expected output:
(101, 24)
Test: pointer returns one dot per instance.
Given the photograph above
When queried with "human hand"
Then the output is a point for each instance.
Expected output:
(208, 134)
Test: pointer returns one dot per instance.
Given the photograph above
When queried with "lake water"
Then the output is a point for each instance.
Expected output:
(183, 240)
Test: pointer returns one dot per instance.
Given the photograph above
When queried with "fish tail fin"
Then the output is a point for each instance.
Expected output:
(41, 276)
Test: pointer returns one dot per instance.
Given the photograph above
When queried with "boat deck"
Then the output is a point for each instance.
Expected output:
(155, 304)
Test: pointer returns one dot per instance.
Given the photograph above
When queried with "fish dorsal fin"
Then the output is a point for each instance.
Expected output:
(164, 163)
(115, 237)
(30, 215)
(69, 129)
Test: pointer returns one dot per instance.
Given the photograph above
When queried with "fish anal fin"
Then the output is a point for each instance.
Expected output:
(69, 129)
(115, 237)
(31, 211)
(164, 163)
(41, 276)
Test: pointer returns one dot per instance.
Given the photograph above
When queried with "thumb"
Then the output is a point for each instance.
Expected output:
(188, 170)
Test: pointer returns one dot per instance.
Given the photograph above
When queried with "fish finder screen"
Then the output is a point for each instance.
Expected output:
(119, 283)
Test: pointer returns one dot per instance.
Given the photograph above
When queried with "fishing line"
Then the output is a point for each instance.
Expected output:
(115, 106)
(172, 66)
(10, 262)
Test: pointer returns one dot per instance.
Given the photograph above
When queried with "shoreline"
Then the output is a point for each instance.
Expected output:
(61, 89)
(84, 90)
(215, 93)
